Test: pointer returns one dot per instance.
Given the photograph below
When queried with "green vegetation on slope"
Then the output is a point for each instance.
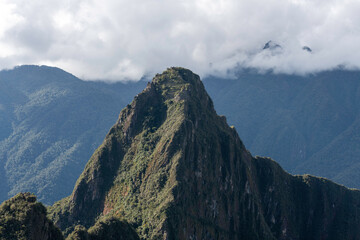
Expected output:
(124, 164)
(109, 229)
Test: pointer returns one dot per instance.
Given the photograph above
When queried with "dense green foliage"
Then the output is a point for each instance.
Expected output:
(173, 169)
(50, 124)
(79, 233)
(109, 229)
(309, 124)
(112, 229)
(23, 218)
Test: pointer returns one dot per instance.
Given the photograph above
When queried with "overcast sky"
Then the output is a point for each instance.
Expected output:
(125, 39)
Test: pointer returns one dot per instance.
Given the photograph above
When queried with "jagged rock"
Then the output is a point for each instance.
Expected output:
(306, 48)
(271, 46)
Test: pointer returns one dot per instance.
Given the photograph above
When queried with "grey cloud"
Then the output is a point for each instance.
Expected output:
(125, 39)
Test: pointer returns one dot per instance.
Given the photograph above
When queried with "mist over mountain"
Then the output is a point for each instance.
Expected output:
(120, 40)
(260, 140)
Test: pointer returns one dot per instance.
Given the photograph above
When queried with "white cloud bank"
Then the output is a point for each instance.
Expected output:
(125, 39)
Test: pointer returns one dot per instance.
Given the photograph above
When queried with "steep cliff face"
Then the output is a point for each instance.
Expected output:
(305, 207)
(174, 169)
(22, 217)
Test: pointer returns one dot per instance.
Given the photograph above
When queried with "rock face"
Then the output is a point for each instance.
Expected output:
(22, 217)
(174, 169)
(271, 45)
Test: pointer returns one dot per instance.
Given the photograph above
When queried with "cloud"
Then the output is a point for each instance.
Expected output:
(119, 40)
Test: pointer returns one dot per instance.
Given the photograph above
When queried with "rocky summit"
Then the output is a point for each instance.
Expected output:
(171, 168)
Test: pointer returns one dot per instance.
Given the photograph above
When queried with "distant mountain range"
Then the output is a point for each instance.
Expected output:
(51, 122)
(309, 124)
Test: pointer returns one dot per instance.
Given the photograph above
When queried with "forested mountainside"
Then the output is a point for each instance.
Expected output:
(50, 123)
(173, 169)
(309, 124)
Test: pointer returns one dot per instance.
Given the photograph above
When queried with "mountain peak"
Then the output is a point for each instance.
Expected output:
(176, 75)
(173, 169)
(168, 138)
(177, 82)
(177, 93)
(271, 45)
(306, 48)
